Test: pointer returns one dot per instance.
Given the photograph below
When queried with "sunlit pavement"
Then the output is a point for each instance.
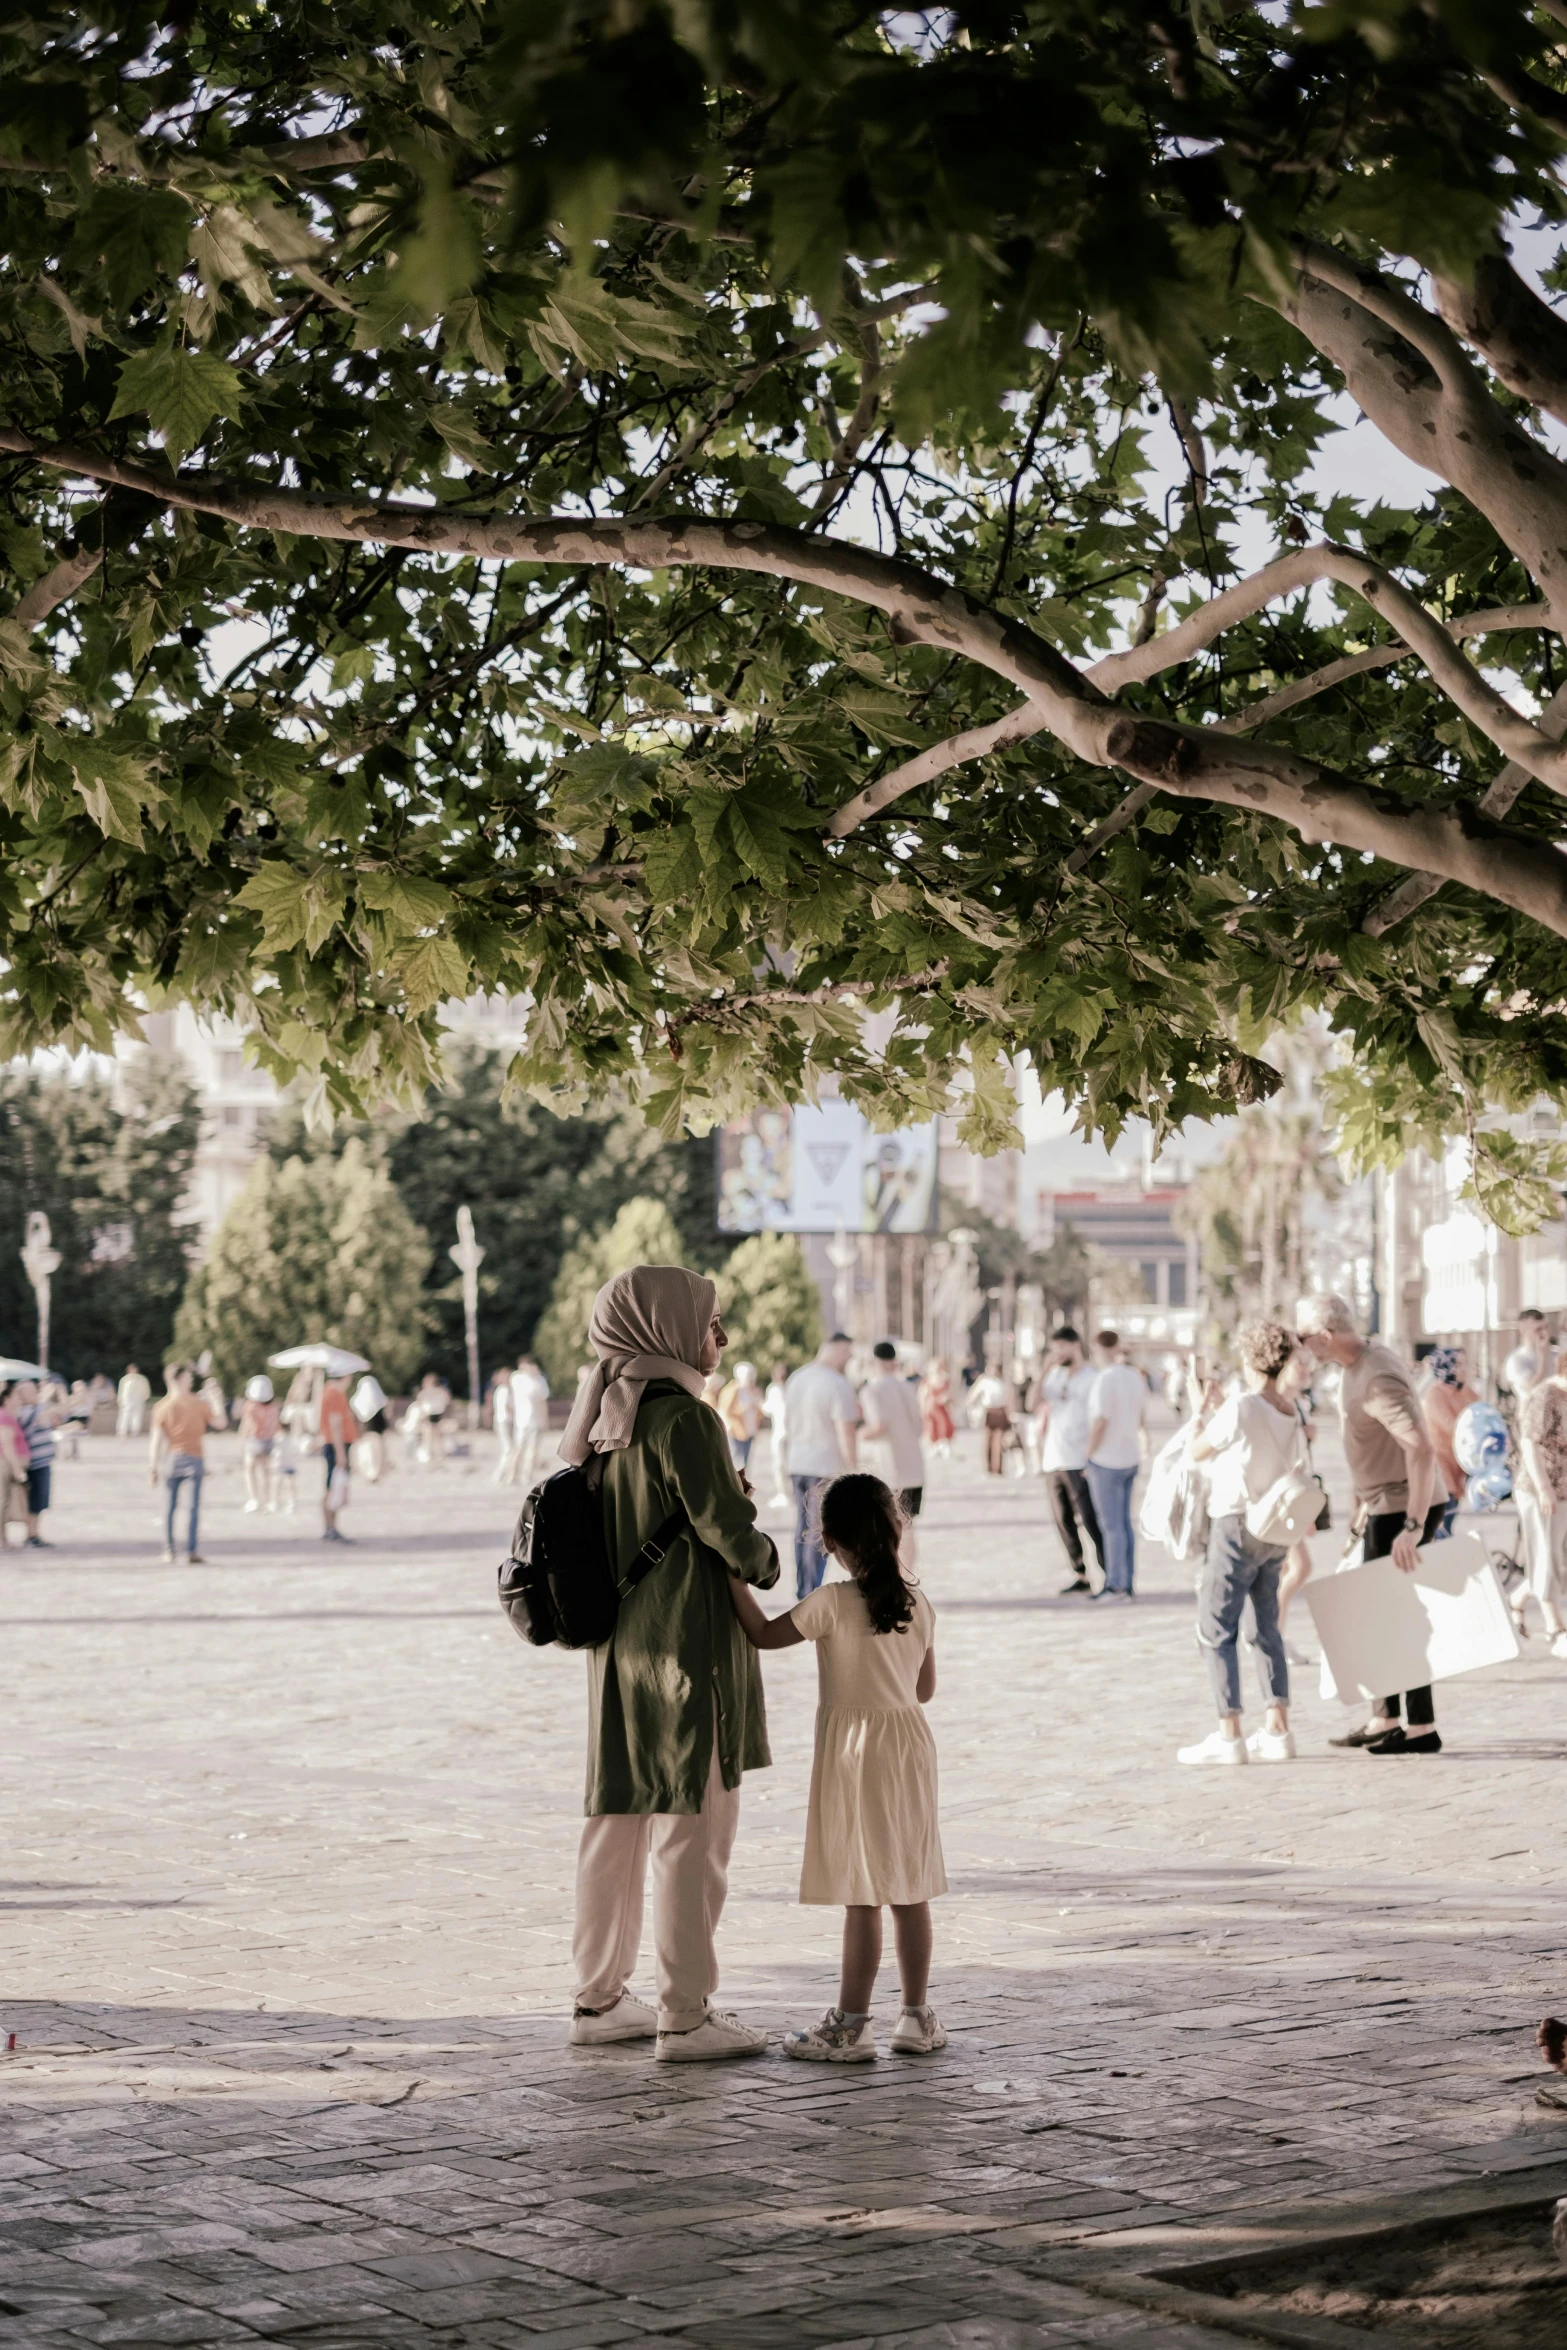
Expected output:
(285, 1895)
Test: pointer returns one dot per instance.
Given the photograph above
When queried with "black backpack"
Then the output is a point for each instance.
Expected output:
(558, 1587)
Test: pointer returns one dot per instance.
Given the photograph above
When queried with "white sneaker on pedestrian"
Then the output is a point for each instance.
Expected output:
(251, 1505)
(1271, 1746)
(837, 2039)
(1215, 1748)
(917, 2032)
(630, 2018)
(1297, 1655)
(718, 2037)
(168, 1558)
(1559, 1645)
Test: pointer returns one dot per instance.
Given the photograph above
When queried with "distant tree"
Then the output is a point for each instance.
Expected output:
(535, 1182)
(318, 1248)
(108, 1160)
(771, 1306)
(1249, 1211)
(643, 1233)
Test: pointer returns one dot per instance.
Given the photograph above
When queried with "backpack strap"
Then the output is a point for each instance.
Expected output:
(652, 1553)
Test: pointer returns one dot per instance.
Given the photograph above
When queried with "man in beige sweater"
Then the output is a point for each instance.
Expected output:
(1399, 1496)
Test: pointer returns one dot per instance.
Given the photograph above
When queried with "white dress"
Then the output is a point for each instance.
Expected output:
(871, 1834)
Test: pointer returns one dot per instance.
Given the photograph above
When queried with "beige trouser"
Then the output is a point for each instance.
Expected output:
(1544, 1537)
(690, 1853)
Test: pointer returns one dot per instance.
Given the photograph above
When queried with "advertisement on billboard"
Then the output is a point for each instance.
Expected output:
(824, 1170)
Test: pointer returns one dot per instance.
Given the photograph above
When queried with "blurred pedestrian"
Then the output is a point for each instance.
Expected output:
(1399, 1501)
(1448, 1394)
(369, 1405)
(75, 1412)
(35, 1415)
(259, 1422)
(501, 1424)
(775, 1406)
(13, 1468)
(893, 1419)
(338, 1430)
(1250, 1441)
(530, 1403)
(740, 1409)
(1543, 1503)
(823, 1418)
(1062, 1413)
(179, 1429)
(1117, 1424)
(132, 1398)
(990, 1408)
(935, 1396)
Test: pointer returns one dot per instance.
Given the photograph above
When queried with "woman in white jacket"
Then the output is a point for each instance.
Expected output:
(1249, 1442)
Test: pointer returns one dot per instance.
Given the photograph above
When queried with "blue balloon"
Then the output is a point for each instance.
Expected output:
(1479, 1436)
(1490, 1488)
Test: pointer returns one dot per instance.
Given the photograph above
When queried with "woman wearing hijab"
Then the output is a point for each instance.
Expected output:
(675, 1710)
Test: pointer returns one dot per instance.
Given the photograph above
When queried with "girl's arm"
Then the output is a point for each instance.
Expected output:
(925, 1686)
(762, 1631)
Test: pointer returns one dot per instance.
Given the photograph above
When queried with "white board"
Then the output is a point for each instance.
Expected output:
(1383, 1631)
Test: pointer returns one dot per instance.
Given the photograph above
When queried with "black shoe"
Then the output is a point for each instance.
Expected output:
(1398, 1741)
(1082, 1584)
(1364, 1735)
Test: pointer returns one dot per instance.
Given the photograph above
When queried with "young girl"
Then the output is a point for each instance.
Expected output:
(871, 1835)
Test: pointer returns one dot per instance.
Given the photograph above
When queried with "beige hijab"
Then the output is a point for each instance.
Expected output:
(651, 1323)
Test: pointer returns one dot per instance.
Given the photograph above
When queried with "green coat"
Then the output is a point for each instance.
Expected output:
(677, 1644)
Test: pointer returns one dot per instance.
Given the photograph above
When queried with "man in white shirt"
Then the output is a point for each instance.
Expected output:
(1063, 1460)
(822, 1415)
(892, 1418)
(1117, 1411)
(530, 1413)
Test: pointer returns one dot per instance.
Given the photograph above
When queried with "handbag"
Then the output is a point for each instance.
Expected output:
(1292, 1505)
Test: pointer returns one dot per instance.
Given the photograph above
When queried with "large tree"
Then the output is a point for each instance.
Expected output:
(109, 1162)
(679, 471)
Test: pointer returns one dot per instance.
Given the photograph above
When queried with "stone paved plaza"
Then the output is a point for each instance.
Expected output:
(285, 1895)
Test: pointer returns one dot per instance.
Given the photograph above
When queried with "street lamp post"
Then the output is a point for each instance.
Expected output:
(843, 1255)
(40, 1260)
(468, 1256)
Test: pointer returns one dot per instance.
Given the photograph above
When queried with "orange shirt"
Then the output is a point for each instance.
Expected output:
(338, 1425)
(183, 1421)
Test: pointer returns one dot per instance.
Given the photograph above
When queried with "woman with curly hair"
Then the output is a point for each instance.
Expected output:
(871, 1835)
(1251, 1441)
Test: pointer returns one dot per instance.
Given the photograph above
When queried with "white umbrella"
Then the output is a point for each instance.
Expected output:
(12, 1367)
(336, 1361)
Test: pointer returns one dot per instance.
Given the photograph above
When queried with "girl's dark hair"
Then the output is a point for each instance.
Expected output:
(861, 1516)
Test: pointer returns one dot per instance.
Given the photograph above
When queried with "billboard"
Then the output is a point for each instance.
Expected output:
(824, 1170)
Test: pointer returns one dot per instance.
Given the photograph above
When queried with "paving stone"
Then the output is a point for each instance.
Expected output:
(284, 1927)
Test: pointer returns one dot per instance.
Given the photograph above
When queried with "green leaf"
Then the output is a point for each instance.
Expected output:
(431, 972)
(180, 392)
(133, 234)
(276, 893)
(409, 903)
(113, 788)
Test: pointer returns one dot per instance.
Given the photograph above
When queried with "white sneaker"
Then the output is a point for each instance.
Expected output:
(1271, 1746)
(1297, 1655)
(630, 2018)
(1559, 1645)
(918, 2030)
(835, 2040)
(720, 2036)
(1215, 1748)
(251, 1505)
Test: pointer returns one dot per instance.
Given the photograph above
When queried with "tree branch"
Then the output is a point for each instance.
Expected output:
(1520, 338)
(1503, 790)
(1318, 681)
(925, 766)
(1194, 445)
(1117, 821)
(1513, 869)
(56, 587)
(1510, 478)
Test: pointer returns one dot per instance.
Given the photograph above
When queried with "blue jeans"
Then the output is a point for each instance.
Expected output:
(185, 1468)
(740, 1450)
(1238, 1568)
(810, 1560)
(1112, 1497)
